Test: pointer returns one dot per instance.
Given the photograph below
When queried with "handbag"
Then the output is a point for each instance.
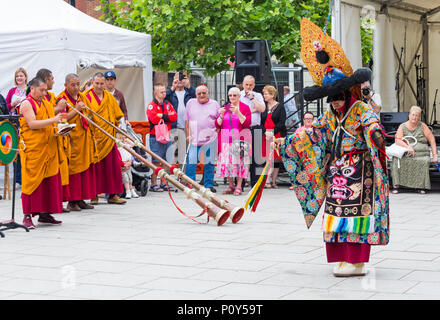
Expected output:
(395, 150)
(399, 152)
(162, 134)
(238, 147)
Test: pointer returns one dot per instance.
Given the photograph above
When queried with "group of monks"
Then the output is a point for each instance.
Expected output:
(74, 167)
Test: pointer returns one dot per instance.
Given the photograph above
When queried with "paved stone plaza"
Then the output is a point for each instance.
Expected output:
(147, 250)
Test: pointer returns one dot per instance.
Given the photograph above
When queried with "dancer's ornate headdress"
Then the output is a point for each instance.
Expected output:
(327, 64)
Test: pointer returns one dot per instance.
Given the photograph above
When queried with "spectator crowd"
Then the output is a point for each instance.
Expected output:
(186, 126)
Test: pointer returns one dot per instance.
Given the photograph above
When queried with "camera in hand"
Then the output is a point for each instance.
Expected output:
(366, 91)
(181, 76)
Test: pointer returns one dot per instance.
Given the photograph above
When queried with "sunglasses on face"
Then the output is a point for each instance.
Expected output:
(199, 93)
(232, 95)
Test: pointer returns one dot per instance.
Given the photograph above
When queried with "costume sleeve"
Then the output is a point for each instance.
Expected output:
(303, 158)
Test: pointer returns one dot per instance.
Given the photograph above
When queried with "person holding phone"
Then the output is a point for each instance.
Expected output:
(233, 140)
(178, 95)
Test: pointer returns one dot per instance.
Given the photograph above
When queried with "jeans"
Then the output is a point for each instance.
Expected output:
(209, 152)
(163, 150)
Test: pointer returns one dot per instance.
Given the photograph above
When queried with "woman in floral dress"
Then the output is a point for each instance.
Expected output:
(234, 156)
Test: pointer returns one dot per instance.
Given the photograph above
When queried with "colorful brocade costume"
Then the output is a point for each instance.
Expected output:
(343, 166)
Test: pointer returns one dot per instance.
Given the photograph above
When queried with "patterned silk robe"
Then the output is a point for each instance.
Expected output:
(339, 162)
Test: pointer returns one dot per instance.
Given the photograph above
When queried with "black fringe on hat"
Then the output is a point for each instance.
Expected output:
(322, 57)
(317, 92)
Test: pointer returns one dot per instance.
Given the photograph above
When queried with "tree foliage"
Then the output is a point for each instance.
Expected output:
(367, 30)
(203, 31)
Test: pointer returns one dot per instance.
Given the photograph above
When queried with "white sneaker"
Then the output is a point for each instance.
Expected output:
(344, 269)
(134, 194)
(127, 195)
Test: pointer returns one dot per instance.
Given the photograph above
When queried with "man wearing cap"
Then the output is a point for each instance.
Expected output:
(110, 81)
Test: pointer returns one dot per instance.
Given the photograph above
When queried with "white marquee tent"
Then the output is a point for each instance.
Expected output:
(53, 34)
(413, 25)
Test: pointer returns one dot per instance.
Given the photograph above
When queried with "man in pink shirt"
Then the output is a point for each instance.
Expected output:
(201, 134)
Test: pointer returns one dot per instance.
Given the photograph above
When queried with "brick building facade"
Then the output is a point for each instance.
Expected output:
(88, 6)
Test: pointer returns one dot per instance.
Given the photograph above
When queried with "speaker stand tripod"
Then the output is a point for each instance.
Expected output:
(11, 224)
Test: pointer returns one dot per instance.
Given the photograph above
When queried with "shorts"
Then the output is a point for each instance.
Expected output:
(126, 176)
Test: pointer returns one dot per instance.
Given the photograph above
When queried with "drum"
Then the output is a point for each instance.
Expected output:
(8, 142)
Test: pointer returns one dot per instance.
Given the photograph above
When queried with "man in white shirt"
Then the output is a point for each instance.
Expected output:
(178, 95)
(255, 101)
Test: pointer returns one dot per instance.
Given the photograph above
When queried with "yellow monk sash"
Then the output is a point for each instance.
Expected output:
(107, 108)
(39, 159)
(81, 140)
(63, 142)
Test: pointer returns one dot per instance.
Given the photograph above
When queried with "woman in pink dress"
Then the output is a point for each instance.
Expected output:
(234, 141)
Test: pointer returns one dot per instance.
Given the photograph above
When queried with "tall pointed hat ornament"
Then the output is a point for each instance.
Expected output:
(327, 64)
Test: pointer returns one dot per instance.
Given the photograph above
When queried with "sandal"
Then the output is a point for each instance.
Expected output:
(421, 191)
(395, 191)
(268, 186)
(237, 191)
(165, 188)
(275, 186)
(156, 188)
(291, 188)
(230, 190)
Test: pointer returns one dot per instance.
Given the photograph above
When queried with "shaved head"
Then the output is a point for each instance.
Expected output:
(98, 75)
(70, 77)
(72, 84)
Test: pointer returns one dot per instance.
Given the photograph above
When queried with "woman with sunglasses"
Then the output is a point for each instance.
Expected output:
(233, 140)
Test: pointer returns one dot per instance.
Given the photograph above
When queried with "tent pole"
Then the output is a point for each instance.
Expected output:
(425, 48)
(336, 21)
